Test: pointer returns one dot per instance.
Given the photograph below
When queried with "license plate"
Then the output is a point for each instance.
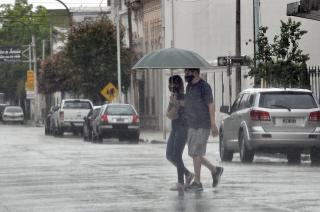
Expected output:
(289, 121)
(78, 124)
(120, 120)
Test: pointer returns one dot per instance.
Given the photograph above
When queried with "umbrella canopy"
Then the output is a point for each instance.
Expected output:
(172, 58)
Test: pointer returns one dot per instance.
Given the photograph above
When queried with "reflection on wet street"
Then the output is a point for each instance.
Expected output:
(44, 173)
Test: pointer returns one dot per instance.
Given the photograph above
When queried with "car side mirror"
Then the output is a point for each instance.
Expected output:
(224, 109)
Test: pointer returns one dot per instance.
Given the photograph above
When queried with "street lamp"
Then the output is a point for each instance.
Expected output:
(68, 11)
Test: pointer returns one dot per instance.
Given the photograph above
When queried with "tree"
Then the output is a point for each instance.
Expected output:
(281, 63)
(92, 52)
(18, 22)
(55, 74)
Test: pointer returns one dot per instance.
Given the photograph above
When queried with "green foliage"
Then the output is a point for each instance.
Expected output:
(92, 52)
(18, 22)
(281, 63)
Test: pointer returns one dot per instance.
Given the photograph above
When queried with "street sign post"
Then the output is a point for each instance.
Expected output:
(109, 92)
(30, 95)
(233, 61)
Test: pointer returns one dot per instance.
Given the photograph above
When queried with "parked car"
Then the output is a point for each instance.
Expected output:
(69, 116)
(88, 121)
(117, 121)
(48, 127)
(2, 107)
(13, 114)
(271, 120)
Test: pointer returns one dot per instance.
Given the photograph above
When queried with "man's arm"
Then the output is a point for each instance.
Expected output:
(212, 113)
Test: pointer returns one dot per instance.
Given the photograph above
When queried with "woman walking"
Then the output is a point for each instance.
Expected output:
(179, 129)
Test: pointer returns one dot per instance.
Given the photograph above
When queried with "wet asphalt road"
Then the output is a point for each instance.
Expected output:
(44, 173)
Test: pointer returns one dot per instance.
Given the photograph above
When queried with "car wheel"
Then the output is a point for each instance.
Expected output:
(225, 154)
(85, 133)
(94, 138)
(59, 132)
(294, 156)
(246, 155)
(315, 155)
(90, 135)
(122, 138)
(46, 130)
(134, 138)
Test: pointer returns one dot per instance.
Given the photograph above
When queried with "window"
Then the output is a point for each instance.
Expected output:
(235, 105)
(119, 110)
(251, 100)
(76, 105)
(293, 100)
(95, 112)
(244, 103)
(13, 110)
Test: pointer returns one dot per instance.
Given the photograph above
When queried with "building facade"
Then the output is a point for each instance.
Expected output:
(207, 27)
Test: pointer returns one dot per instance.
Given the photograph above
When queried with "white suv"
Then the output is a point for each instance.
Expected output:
(271, 120)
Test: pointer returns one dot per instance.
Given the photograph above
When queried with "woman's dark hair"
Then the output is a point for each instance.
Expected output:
(177, 80)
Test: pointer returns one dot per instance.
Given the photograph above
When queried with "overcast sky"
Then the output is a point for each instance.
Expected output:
(53, 4)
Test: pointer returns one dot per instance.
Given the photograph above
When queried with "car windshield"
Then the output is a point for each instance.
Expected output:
(76, 105)
(288, 100)
(119, 110)
(13, 110)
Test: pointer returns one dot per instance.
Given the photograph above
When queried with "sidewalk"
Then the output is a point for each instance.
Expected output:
(158, 137)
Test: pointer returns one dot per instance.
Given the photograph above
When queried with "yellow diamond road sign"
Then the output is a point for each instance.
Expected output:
(109, 92)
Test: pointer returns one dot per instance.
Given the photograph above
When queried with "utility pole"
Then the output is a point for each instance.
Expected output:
(230, 80)
(172, 19)
(118, 49)
(36, 97)
(43, 49)
(238, 45)
(256, 14)
(129, 8)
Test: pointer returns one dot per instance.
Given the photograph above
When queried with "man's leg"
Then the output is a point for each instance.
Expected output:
(197, 168)
(207, 164)
(216, 171)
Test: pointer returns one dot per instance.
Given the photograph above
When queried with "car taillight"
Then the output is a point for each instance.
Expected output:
(258, 115)
(135, 119)
(314, 116)
(104, 118)
(61, 115)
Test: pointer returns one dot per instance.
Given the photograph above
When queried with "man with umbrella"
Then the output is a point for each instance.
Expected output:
(201, 118)
(198, 103)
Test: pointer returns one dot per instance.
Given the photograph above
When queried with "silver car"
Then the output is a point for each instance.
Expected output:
(13, 114)
(271, 120)
(117, 121)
